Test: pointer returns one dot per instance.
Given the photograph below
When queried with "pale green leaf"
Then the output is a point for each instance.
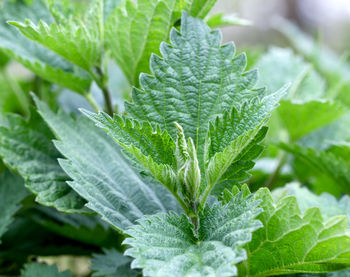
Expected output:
(36, 269)
(26, 147)
(12, 191)
(101, 175)
(166, 245)
(80, 41)
(41, 61)
(292, 241)
(312, 114)
(111, 264)
(334, 133)
(324, 59)
(135, 30)
(280, 66)
(153, 149)
(196, 81)
(200, 8)
(327, 203)
(332, 168)
(221, 19)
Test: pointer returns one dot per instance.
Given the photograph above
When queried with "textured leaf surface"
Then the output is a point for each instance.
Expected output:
(41, 61)
(135, 30)
(12, 191)
(78, 41)
(112, 187)
(196, 81)
(280, 66)
(313, 115)
(111, 264)
(292, 241)
(165, 244)
(27, 148)
(323, 163)
(36, 269)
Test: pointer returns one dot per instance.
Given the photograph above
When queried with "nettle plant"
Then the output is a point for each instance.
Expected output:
(163, 186)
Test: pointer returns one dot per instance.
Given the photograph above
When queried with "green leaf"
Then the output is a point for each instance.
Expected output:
(325, 60)
(327, 203)
(135, 30)
(26, 147)
(313, 115)
(100, 173)
(41, 61)
(78, 41)
(280, 66)
(153, 149)
(333, 169)
(87, 229)
(196, 81)
(292, 241)
(12, 191)
(111, 264)
(200, 8)
(36, 269)
(220, 20)
(166, 244)
(325, 137)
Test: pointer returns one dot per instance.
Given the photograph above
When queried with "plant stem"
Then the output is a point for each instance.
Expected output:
(275, 174)
(100, 80)
(92, 102)
(205, 195)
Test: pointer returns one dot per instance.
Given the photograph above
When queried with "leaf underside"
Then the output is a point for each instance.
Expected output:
(100, 174)
(26, 147)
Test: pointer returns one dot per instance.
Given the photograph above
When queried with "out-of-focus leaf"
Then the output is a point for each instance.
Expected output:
(12, 191)
(280, 66)
(112, 264)
(36, 270)
(221, 19)
(40, 60)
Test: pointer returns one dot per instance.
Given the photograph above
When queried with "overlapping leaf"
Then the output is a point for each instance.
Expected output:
(36, 269)
(12, 191)
(313, 115)
(78, 41)
(166, 245)
(325, 164)
(196, 81)
(41, 61)
(292, 241)
(135, 30)
(153, 149)
(280, 66)
(26, 147)
(111, 264)
(112, 187)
